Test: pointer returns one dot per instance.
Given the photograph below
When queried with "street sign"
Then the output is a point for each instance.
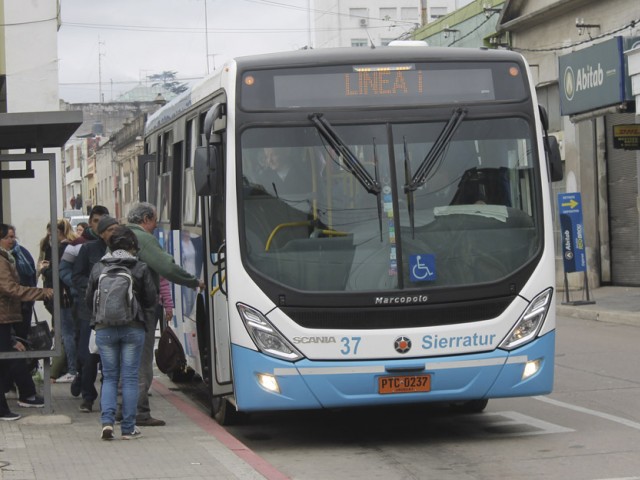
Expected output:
(572, 231)
(626, 137)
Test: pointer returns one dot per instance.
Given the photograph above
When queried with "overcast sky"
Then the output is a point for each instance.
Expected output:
(137, 38)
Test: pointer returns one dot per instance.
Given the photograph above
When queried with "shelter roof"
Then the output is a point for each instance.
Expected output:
(37, 130)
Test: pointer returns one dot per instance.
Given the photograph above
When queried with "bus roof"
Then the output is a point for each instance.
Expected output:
(359, 55)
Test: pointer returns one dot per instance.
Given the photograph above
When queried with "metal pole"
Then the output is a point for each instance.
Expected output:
(206, 34)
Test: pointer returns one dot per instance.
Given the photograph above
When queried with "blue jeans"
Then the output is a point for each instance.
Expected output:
(120, 349)
(68, 332)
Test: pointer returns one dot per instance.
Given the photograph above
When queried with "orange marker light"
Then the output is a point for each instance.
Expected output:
(514, 72)
(249, 80)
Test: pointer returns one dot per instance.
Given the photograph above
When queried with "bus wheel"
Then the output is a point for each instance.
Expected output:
(471, 406)
(224, 412)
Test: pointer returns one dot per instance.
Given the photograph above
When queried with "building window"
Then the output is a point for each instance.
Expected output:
(437, 12)
(409, 13)
(358, 13)
(388, 14)
(359, 42)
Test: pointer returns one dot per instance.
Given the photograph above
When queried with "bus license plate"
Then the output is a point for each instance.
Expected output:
(404, 384)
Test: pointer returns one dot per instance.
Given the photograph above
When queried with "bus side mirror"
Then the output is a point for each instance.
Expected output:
(205, 170)
(554, 161)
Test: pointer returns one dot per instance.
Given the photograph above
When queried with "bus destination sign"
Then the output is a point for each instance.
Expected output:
(383, 85)
(387, 85)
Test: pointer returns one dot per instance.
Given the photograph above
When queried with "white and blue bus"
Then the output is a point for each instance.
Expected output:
(375, 224)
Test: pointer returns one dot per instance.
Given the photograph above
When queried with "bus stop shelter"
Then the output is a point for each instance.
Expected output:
(31, 133)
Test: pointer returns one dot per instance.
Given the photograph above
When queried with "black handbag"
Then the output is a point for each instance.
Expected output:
(39, 338)
(170, 354)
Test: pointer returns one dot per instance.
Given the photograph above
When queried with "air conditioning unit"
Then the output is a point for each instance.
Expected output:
(363, 22)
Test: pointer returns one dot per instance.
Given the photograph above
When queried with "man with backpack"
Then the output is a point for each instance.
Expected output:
(87, 256)
(121, 293)
(143, 220)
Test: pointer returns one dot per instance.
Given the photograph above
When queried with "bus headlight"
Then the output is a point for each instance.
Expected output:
(530, 322)
(265, 336)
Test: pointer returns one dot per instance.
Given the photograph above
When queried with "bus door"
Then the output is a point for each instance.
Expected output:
(210, 187)
(221, 341)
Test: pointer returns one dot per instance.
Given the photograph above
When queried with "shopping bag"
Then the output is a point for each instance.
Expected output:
(93, 348)
(39, 337)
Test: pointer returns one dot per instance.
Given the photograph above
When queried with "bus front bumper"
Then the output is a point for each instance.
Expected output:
(310, 384)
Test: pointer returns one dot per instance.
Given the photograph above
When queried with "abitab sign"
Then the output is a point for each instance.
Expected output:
(595, 77)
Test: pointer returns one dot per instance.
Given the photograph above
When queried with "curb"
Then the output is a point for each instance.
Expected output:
(609, 316)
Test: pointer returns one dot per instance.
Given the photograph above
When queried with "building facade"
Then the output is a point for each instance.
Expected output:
(576, 49)
(29, 83)
(359, 23)
(92, 159)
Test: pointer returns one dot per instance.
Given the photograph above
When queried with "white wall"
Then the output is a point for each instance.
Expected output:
(334, 27)
(32, 85)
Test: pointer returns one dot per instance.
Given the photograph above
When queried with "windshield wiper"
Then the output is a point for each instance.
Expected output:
(377, 172)
(407, 176)
(352, 163)
(423, 171)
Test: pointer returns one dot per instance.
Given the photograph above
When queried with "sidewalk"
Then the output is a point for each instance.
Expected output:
(66, 445)
(612, 304)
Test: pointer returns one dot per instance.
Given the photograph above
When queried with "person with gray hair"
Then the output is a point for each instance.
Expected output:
(140, 211)
(143, 220)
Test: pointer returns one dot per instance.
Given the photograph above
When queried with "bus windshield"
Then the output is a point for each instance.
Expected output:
(310, 224)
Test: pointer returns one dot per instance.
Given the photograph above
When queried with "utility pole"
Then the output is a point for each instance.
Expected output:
(100, 54)
(206, 35)
(308, 23)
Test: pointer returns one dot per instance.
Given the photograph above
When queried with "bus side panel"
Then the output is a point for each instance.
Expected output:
(313, 384)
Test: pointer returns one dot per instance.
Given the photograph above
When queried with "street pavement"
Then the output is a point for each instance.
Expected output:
(66, 444)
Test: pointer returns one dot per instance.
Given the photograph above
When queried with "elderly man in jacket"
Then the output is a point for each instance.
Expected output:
(143, 220)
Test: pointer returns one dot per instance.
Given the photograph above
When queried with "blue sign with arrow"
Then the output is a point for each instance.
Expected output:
(572, 231)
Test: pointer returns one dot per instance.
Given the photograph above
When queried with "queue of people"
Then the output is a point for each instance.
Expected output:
(82, 257)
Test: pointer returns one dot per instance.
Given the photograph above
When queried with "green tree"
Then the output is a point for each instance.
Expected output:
(168, 81)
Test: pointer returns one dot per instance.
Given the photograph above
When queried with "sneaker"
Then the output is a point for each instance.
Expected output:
(150, 422)
(133, 435)
(66, 378)
(86, 406)
(76, 386)
(36, 402)
(107, 432)
(10, 416)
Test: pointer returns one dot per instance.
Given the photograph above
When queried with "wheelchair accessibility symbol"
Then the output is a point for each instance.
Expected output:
(422, 268)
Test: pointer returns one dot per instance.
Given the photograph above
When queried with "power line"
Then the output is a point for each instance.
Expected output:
(632, 24)
(28, 23)
(200, 30)
(472, 31)
(122, 82)
(328, 12)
